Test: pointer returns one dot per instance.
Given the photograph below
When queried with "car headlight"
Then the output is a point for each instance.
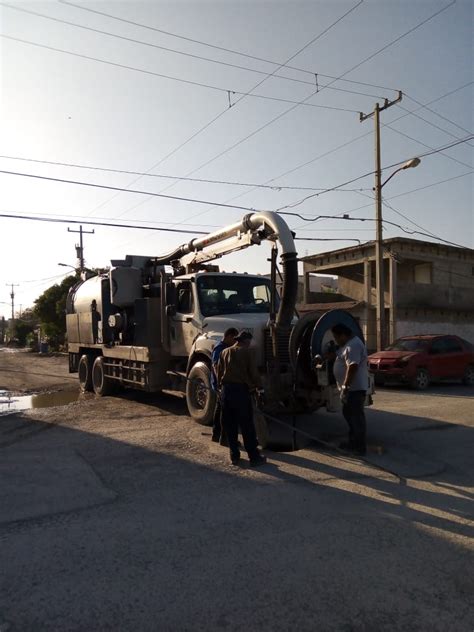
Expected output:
(402, 362)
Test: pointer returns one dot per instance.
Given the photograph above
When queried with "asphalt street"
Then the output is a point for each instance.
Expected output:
(120, 514)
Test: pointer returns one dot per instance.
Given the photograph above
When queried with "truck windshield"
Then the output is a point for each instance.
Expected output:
(233, 295)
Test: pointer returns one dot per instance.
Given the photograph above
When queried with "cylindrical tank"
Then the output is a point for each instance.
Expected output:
(93, 289)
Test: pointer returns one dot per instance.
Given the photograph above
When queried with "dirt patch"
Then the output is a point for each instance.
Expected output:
(25, 372)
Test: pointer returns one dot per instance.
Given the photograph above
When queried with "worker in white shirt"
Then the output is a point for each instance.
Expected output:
(352, 378)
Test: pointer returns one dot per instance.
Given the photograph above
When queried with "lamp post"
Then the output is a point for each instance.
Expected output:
(67, 265)
(379, 269)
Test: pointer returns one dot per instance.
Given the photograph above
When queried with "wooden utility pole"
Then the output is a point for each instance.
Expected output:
(80, 247)
(12, 297)
(379, 269)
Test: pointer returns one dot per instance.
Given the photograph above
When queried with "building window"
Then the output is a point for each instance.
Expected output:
(422, 273)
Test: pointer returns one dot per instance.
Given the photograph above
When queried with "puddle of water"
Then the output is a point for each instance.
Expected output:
(11, 403)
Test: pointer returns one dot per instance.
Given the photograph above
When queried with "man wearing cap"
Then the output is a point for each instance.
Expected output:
(352, 377)
(227, 341)
(237, 376)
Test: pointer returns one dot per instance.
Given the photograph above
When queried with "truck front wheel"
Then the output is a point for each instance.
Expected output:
(200, 398)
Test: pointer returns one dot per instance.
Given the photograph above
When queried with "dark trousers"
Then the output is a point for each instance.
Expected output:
(237, 411)
(354, 414)
(216, 421)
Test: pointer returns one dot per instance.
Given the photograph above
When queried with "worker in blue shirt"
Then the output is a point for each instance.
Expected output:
(227, 341)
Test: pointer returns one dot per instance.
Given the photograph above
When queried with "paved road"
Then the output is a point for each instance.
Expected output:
(122, 515)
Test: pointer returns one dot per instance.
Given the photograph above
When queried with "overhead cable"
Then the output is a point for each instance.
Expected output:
(214, 46)
(442, 116)
(213, 120)
(351, 69)
(174, 51)
(178, 79)
(88, 222)
(369, 173)
(385, 47)
(274, 187)
(121, 189)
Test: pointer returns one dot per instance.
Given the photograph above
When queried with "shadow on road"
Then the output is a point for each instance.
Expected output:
(132, 532)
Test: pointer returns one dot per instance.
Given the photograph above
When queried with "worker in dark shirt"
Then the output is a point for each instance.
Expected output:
(227, 341)
(237, 376)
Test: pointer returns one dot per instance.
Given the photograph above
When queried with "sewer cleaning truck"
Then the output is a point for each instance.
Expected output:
(150, 323)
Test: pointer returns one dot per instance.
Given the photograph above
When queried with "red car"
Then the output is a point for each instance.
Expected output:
(418, 360)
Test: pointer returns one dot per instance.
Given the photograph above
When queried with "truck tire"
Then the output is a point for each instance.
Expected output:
(84, 371)
(102, 384)
(201, 400)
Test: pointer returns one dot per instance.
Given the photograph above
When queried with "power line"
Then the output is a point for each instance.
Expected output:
(445, 118)
(148, 221)
(36, 218)
(198, 201)
(428, 122)
(221, 48)
(368, 58)
(178, 79)
(364, 206)
(112, 188)
(295, 105)
(353, 140)
(172, 50)
(168, 177)
(372, 219)
(359, 241)
(335, 149)
(427, 231)
(370, 173)
(175, 230)
(416, 140)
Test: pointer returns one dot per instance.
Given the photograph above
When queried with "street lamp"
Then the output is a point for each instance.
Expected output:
(67, 265)
(410, 164)
(379, 271)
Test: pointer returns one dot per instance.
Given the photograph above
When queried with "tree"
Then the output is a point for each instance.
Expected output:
(50, 308)
(21, 330)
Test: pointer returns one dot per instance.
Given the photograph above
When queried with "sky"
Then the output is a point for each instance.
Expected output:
(59, 107)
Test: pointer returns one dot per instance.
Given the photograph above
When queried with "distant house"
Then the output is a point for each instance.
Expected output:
(429, 288)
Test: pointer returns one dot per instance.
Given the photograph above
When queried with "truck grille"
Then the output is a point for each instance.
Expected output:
(283, 340)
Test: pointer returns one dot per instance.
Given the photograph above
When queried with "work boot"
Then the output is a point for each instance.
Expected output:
(235, 458)
(258, 460)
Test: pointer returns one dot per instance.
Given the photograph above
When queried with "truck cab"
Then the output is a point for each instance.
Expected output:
(208, 303)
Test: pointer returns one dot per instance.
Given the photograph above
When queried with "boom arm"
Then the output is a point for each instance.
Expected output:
(251, 230)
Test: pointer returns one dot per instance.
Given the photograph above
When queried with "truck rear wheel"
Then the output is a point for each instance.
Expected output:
(201, 400)
(84, 371)
(102, 384)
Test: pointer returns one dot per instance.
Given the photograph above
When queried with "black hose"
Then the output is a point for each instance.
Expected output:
(289, 291)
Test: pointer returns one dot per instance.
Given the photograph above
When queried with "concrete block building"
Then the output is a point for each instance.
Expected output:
(429, 287)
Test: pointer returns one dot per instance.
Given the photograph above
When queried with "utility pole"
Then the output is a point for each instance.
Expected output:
(80, 247)
(12, 296)
(379, 268)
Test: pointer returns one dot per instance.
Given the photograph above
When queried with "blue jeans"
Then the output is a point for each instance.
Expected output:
(237, 411)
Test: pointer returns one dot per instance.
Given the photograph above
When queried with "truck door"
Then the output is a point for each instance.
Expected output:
(183, 330)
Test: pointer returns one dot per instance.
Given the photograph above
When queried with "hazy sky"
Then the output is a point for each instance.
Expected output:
(62, 108)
